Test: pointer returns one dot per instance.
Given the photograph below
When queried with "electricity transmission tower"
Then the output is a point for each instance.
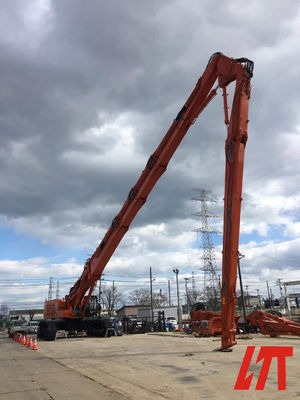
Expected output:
(211, 278)
(187, 294)
(57, 290)
(194, 294)
(50, 290)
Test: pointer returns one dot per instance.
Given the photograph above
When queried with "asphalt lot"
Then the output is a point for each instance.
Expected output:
(28, 375)
(139, 367)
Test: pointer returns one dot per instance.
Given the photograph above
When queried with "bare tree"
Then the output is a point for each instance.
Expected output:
(159, 300)
(31, 314)
(3, 310)
(140, 297)
(196, 296)
(110, 298)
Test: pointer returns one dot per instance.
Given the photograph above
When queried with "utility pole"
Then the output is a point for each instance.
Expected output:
(270, 304)
(258, 296)
(194, 292)
(272, 299)
(281, 294)
(169, 290)
(100, 293)
(176, 271)
(151, 297)
(113, 298)
(240, 256)
(280, 286)
(187, 294)
(247, 293)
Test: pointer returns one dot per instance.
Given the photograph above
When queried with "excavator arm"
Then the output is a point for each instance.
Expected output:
(221, 70)
(273, 325)
(234, 154)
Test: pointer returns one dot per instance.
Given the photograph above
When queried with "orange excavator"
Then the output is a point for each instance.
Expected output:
(74, 312)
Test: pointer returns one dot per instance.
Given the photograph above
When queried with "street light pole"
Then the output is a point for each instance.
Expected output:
(176, 271)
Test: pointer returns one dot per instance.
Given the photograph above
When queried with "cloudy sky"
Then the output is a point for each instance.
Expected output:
(89, 89)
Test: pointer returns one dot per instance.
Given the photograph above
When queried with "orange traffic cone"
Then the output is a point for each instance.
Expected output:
(34, 345)
(27, 341)
(20, 338)
(30, 343)
(24, 340)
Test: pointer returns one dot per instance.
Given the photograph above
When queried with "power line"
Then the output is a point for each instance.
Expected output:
(273, 170)
(280, 261)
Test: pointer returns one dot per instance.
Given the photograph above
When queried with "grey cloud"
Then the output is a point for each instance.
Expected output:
(96, 62)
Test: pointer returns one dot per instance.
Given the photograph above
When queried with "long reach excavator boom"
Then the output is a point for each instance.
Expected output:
(221, 70)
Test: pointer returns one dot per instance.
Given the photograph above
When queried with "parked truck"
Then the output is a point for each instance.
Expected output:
(23, 326)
